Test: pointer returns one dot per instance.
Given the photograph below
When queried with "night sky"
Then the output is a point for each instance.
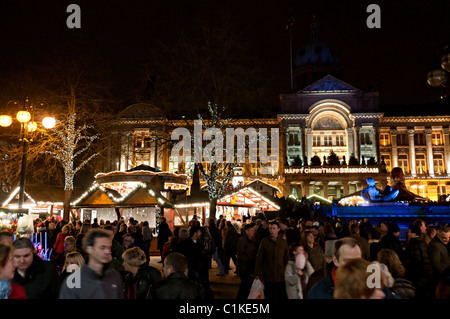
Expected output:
(122, 34)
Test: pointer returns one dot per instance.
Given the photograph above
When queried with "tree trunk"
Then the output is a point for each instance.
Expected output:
(67, 197)
(213, 209)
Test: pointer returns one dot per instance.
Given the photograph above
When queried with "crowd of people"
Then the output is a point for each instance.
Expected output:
(319, 258)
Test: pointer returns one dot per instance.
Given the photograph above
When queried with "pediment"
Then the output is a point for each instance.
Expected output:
(329, 84)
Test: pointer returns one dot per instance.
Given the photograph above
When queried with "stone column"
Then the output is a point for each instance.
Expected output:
(302, 141)
(309, 152)
(325, 189)
(412, 152)
(394, 148)
(305, 188)
(429, 152)
(350, 143)
(287, 189)
(357, 142)
(447, 149)
(374, 138)
(345, 185)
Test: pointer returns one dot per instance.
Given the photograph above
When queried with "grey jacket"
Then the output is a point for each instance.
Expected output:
(87, 284)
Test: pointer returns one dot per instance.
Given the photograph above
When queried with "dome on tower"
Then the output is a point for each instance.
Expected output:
(316, 52)
(315, 60)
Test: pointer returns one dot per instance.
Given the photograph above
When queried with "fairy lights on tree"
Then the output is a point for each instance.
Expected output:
(70, 146)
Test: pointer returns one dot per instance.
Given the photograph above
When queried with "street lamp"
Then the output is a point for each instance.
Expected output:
(27, 127)
(438, 77)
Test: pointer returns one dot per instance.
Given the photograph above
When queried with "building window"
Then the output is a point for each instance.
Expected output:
(293, 139)
(438, 160)
(436, 138)
(142, 140)
(421, 164)
(254, 169)
(365, 139)
(316, 140)
(385, 139)
(419, 139)
(173, 164)
(328, 140)
(403, 162)
(387, 161)
(340, 140)
(189, 165)
(402, 139)
(442, 190)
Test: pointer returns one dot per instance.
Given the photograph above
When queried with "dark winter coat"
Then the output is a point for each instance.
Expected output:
(138, 287)
(439, 257)
(163, 234)
(246, 255)
(272, 259)
(41, 280)
(390, 241)
(403, 288)
(418, 264)
(177, 286)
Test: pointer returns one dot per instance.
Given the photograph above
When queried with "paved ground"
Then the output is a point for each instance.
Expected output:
(224, 287)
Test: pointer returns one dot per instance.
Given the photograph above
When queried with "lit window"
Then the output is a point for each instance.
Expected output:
(403, 162)
(436, 138)
(387, 160)
(385, 139)
(421, 164)
(173, 164)
(438, 160)
(189, 165)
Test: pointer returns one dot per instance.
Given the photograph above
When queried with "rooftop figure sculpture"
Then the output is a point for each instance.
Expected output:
(372, 194)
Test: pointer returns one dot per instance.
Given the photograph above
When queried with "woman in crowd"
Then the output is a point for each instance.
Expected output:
(8, 289)
(141, 276)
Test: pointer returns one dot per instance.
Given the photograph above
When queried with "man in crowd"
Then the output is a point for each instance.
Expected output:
(39, 277)
(271, 261)
(438, 253)
(97, 279)
(176, 284)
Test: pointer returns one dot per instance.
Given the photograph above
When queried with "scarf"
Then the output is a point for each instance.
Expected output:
(5, 289)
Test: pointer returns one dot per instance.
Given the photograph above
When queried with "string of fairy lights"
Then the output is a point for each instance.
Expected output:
(122, 199)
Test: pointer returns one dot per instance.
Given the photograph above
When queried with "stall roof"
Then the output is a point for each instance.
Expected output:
(45, 194)
(99, 196)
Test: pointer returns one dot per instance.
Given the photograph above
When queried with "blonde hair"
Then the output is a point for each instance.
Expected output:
(134, 256)
(73, 258)
(351, 280)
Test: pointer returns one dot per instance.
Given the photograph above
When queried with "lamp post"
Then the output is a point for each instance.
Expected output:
(438, 76)
(27, 128)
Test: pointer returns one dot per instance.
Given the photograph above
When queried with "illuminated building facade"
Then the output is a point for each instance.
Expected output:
(326, 117)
